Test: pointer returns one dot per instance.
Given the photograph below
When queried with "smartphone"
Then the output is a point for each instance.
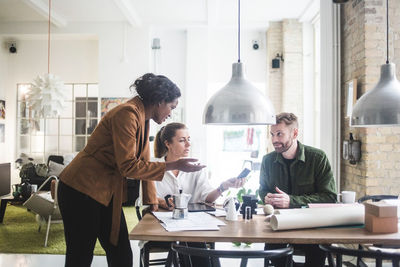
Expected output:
(244, 173)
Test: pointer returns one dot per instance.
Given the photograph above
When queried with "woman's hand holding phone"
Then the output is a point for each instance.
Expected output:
(238, 181)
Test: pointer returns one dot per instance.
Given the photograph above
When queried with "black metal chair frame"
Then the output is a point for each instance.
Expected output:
(215, 255)
(378, 255)
(375, 198)
(153, 246)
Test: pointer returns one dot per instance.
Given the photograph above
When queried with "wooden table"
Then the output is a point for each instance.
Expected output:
(258, 231)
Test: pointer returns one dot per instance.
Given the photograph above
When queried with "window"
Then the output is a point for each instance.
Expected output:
(40, 137)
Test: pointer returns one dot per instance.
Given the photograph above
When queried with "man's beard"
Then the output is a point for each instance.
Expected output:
(284, 146)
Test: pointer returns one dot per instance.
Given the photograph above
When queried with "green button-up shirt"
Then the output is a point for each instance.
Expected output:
(311, 177)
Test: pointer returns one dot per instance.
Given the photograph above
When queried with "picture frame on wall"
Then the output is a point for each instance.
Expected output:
(108, 103)
(351, 96)
(2, 109)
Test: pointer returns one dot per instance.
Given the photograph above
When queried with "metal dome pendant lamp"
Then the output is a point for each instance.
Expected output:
(239, 102)
(380, 106)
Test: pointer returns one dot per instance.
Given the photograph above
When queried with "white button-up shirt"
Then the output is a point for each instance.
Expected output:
(194, 183)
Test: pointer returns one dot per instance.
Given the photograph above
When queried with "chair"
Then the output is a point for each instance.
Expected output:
(214, 255)
(154, 246)
(56, 158)
(150, 246)
(378, 255)
(45, 206)
(375, 198)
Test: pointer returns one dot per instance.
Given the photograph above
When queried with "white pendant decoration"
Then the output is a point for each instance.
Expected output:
(46, 96)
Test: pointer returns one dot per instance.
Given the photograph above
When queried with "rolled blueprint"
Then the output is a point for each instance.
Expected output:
(317, 217)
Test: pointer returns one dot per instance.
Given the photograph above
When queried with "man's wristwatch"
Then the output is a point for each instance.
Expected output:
(221, 189)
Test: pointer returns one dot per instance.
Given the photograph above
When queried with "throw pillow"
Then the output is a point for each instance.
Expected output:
(55, 168)
(69, 157)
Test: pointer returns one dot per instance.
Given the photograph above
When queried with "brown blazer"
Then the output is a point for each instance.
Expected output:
(118, 148)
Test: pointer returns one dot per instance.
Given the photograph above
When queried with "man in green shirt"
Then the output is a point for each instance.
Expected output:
(294, 175)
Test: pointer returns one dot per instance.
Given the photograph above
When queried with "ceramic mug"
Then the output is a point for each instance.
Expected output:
(348, 196)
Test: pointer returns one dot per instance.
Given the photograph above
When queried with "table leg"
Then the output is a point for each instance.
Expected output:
(3, 206)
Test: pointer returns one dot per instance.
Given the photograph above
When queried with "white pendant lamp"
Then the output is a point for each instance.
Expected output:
(380, 106)
(46, 96)
(239, 102)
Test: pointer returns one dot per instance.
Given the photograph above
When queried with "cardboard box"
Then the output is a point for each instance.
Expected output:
(381, 225)
(381, 209)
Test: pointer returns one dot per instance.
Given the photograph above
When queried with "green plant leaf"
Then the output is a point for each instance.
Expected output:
(236, 244)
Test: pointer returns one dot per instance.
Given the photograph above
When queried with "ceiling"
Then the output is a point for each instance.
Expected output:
(158, 13)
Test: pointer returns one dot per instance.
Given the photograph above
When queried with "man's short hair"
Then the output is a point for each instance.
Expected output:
(287, 118)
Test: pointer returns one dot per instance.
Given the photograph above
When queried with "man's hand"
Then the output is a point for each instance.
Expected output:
(280, 200)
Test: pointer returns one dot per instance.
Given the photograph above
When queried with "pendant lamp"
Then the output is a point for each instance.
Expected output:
(239, 102)
(381, 105)
(46, 96)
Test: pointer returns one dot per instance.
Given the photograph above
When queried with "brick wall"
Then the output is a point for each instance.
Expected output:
(285, 85)
(274, 45)
(363, 29)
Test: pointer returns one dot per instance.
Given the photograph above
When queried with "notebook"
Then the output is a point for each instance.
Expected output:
(194, 207)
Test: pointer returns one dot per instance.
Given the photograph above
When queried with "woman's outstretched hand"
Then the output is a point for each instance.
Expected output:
(185, 165)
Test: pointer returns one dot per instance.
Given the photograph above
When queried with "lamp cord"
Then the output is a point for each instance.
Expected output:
(48, 40)
(387, 31)
(238, 30)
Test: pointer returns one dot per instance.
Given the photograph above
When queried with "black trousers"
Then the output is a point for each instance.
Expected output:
(85, 221)
(315, 257)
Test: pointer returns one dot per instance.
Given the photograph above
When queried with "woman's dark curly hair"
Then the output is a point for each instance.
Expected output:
(154, 89)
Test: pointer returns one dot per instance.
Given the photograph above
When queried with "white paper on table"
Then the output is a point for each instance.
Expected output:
(318, 217)
(196, 221)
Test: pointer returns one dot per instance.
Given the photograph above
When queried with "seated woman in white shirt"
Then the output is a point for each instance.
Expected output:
(171, 143)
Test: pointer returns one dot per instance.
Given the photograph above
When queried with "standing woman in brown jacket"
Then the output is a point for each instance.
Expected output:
(93, 186)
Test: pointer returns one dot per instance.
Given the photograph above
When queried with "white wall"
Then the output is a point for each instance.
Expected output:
(223, 51)
(170, 60)
(198, 60)
(114, 74)
(308, 84)
(196, 93)
(73, 59)
(4, 157)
